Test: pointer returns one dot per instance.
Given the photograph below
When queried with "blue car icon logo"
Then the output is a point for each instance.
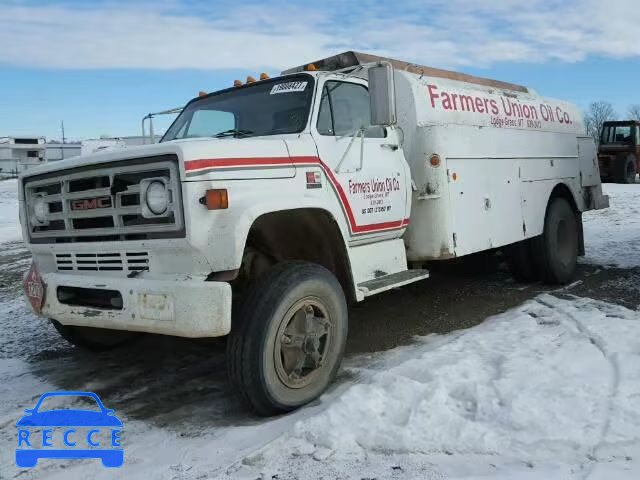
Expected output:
(60, 425)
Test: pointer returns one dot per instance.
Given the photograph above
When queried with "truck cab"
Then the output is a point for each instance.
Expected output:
(619, 151)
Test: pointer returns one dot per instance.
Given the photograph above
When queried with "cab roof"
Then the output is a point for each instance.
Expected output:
(622, 122)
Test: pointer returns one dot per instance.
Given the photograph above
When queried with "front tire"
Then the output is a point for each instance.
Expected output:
(94, 339)
(286, 345)
(556, 250)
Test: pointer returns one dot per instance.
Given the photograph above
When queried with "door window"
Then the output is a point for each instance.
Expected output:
(620, 134)
(344, 109)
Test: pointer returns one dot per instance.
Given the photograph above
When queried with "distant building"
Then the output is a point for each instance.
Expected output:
(60, 151)
(18, 154)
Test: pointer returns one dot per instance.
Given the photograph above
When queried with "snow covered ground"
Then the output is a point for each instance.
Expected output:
(549, 389)
(9, 223)
(612, 235)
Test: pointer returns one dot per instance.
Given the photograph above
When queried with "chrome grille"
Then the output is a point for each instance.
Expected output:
(107, 261)
(104, 202)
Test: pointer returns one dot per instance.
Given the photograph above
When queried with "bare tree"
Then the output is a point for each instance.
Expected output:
(634, 112)
(599, 112)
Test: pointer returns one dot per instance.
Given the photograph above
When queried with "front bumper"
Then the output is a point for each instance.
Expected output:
(179, 306)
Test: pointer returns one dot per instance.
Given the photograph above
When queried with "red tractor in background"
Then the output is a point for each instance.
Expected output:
(619, 151)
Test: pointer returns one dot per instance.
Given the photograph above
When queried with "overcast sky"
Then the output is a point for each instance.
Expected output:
(101, 65)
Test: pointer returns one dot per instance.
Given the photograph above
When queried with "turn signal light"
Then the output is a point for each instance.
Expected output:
(435, 160)
(216, 199)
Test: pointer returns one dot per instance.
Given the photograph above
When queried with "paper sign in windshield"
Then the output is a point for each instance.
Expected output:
(288, 87)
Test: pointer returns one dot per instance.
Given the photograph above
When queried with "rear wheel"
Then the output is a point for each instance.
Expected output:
(94, 339)
(556, 251)
(286, 345)
(626, 169)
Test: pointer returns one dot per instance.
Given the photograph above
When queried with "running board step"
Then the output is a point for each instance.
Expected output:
(387, 282)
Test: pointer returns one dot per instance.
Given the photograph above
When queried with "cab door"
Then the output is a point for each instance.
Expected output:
(364, 164)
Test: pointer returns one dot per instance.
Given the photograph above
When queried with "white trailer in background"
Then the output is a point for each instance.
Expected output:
(20, 153)
(296, 195)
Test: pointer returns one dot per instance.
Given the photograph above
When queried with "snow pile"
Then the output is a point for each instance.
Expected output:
(9, 223)
(612, 235)
(551, 381)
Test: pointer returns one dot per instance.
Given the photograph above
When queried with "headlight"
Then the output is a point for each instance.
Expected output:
(157, 197)
(40, 210)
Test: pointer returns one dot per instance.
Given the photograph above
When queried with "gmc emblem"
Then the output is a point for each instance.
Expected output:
(91, 203)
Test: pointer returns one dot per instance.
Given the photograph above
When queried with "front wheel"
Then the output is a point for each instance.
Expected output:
(286, 345)
(94, 339)
(556, 251)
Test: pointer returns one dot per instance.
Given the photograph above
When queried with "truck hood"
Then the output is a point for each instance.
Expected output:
(199, 158)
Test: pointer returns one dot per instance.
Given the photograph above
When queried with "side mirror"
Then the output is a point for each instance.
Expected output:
(382, 95)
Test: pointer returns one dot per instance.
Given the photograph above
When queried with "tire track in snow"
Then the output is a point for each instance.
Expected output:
(587, 466)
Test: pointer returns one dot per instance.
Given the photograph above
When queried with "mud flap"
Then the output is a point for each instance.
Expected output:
(581, 250)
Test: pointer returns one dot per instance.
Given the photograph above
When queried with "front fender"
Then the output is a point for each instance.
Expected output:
(221, 235)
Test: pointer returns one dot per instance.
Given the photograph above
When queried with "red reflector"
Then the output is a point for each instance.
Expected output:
(34, 288)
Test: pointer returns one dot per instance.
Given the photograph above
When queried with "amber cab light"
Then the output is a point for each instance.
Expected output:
(216, 199)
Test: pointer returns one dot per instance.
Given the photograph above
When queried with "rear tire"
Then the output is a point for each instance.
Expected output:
(521, 262)
(556, 250)
(94, 339)
(626, 169)
(286, 345)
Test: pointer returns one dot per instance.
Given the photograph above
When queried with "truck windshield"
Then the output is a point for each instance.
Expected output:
(616, 134)
(268, 107)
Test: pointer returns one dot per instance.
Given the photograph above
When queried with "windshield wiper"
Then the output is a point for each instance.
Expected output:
(233, 133)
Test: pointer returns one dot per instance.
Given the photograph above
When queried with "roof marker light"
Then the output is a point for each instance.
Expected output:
(237, 83)
(250, 79)
(264, 76)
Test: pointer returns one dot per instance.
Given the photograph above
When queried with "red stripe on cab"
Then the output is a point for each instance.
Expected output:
(205, 163)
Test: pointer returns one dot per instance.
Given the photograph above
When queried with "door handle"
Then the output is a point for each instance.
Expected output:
(391, 146)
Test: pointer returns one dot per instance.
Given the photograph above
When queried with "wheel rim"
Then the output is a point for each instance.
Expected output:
(302, 342)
